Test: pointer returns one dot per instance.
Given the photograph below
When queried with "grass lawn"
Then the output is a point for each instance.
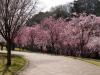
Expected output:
(89, 60)
(17, 63)
(16, 49)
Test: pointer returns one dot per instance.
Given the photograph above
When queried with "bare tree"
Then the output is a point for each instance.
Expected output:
(13, 15)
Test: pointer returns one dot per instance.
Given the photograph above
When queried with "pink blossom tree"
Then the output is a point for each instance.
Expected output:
(32, 36)
(85, 25)
(54, 28)
(60, 36)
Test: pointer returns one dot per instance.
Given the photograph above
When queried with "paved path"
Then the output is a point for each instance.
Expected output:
(43, 64)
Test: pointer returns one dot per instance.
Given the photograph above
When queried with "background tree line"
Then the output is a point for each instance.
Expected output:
(58, 36)
(67, 10)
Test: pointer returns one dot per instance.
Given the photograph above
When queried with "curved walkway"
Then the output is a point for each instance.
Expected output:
(43, 64)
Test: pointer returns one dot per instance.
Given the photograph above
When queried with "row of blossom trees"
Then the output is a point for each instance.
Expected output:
(60, 36)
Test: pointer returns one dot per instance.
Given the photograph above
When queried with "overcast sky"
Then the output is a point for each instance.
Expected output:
(45, 5)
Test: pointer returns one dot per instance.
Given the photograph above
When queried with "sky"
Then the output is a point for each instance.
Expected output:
(46, 5)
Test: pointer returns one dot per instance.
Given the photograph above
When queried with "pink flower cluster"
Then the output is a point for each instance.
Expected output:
(55, 32)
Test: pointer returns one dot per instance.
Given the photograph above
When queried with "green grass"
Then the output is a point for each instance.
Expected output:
(17, 63)
(89, 60)
(16, 49)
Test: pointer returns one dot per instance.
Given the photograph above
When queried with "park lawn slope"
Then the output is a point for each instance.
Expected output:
(18, 62)
(89, 60)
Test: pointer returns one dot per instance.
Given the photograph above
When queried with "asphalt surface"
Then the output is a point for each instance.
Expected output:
(44, 64)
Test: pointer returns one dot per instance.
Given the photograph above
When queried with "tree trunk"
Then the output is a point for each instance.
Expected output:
(8, 54)
(82, 49)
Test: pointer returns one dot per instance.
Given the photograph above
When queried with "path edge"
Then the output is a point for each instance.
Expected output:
(24, 67)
